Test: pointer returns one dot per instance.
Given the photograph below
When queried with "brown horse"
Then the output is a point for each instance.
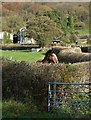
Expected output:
(50, 57)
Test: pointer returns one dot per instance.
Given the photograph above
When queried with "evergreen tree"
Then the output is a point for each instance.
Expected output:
(70, 23)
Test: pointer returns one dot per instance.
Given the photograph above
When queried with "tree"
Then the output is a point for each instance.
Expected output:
(42, 29)
(57, 17)
(70, 23)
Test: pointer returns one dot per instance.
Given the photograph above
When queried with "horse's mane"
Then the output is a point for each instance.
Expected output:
(50, 57)
(49, 52)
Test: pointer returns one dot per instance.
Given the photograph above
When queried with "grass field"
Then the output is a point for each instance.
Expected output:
(22, 55)
(83, 31)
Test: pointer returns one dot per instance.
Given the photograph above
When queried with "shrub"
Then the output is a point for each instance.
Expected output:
(23, 80)
(6, 37)
(73, 38)
(71, 55)
(13, 109)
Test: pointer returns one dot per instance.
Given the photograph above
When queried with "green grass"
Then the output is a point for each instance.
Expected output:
(83, 31)
(21, 55)
(13, 109)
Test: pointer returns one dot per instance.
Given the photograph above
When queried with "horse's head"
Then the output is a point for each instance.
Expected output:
(50, 58)
(49, 52)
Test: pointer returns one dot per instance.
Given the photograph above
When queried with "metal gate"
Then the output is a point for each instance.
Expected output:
(72, 96)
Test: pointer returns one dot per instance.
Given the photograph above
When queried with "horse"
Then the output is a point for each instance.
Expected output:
(50, 57)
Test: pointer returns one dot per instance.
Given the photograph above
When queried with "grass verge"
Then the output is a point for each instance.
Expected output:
(22, 55)
(13, 109)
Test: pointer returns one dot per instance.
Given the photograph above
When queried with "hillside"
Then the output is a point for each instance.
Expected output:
(26, 10)
(45, 21)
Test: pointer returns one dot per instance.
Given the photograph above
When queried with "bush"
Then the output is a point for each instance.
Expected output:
(72, 55)
(6, 37)
(73, 38)
(80, 25)
(13, 109)
(23, 80)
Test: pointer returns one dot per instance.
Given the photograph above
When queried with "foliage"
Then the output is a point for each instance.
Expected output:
(45, 22)
(43, 30)
(80, 11)
(22, 80)
(58, 17)
(12, 24)
(80, 25)
(89, 42)
(73, 38)
(13, 109)
(76, 103)
(70, 23)
(18, 110)
(6, 37)
(66, 40)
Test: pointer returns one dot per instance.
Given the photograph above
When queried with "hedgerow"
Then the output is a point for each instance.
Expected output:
(23, 80)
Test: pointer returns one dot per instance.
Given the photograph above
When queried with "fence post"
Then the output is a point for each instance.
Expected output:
(54, 96)
(49, 97)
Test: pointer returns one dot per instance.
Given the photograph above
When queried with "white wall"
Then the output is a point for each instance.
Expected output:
(2, 34)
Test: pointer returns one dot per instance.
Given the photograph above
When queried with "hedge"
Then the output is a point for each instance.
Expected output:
(71, 55)
(23, 81)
